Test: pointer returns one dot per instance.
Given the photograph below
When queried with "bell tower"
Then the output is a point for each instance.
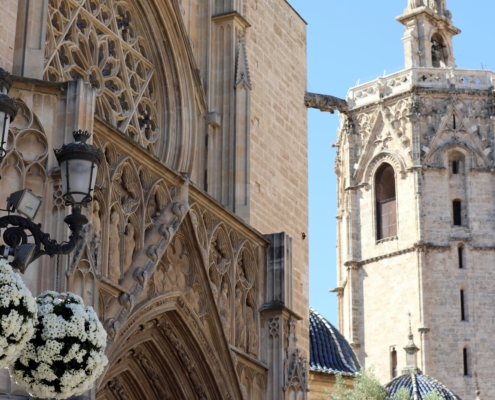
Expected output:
(416, 210)
(428, 36)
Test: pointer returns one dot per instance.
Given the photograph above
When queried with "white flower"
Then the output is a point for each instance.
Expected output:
(18, 314)
(65, 339)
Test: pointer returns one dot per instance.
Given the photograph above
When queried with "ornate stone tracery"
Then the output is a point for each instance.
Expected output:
(99, 41)
(26, 162)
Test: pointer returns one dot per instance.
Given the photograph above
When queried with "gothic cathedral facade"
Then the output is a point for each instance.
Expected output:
(194, 257)
(416, 207)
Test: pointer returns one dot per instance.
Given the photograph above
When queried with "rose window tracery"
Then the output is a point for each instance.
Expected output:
(98, 41)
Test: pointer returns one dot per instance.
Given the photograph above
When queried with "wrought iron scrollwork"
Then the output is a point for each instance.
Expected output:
(15, 235)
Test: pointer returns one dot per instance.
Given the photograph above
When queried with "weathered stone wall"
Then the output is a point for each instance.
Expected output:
(449, 335)
(194, 105)
(386, 291)
(8, 20)
(276, 45)
(418, 271)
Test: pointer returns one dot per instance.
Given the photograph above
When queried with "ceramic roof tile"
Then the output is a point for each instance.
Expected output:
(421, 385)
(329, 350)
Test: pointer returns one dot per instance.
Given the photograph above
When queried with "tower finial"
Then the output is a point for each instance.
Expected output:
(429, 31)
(411, 336)
(411, 351)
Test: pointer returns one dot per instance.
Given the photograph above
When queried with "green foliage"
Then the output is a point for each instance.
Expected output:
(434, 396)
(402, 394)
(367, 387)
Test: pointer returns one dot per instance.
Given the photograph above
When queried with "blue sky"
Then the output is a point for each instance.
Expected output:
(351, 40)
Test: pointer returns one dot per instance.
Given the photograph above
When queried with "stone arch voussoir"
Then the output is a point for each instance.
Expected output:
(394, 160)
(167, 335)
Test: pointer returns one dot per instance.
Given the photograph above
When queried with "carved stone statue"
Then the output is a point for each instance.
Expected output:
(96, 219)
(152, 374)
(114, 248)
(214, 290)
(252, 337)
(415, 4)
(118, 389)
(175, 268)
(129, 245)
(225, 309)
(193, 297)
(241, 270)
(240, 331)
(95, 243)
(155, 206)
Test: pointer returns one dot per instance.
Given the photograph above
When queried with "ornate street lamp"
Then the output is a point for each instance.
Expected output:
(8, 110)
(79, 162)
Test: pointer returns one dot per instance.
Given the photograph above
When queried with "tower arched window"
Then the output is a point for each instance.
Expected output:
(457, 212)
(457, 162)
(386, 204)
(460, 255)
(465, 361)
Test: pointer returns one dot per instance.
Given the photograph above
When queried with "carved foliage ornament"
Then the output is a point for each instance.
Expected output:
(232, 269)
(295, 365)
(98, 41)
(185, 359)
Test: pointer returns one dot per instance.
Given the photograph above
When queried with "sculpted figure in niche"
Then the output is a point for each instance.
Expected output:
(240, 333)
(252, 339)
(96, 235)
(155, 206)
(96, 220)
(129, 245)
(218, 255)
(225, 309)
(114, 248)
(241, 269)
(118, 389)
(214, 288)
(176, 268)
(193, 297)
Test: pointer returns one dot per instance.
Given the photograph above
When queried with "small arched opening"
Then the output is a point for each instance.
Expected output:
(438, 52)
(457, 163)
(386, 204)
(457, 212)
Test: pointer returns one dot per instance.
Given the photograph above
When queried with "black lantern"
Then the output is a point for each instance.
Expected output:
(79, 162)
(8, 110)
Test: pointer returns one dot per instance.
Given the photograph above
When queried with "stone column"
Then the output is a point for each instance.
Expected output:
(8, 18)
(424, 348)
(242, 132)
(30, 38)
(354, 306)
(229, 99)
(288, 374)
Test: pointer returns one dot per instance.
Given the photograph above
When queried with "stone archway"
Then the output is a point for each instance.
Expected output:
(164, 353)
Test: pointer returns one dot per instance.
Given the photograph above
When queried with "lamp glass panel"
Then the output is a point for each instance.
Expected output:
(79, 173)
(29, 205)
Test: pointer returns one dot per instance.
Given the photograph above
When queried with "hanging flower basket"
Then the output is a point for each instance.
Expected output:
(18, 314)
(66, 354)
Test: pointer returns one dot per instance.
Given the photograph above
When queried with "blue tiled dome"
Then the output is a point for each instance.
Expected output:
(330, 352)
(419, 386)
